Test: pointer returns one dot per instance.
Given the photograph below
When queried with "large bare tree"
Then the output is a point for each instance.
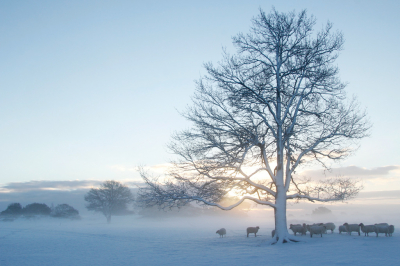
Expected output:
(258, 115)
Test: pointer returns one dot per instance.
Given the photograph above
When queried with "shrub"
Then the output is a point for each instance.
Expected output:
(12, 209)
(36, 209)
(65, 211)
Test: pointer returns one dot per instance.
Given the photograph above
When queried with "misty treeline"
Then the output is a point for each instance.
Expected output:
(113, 198)
(15, 210)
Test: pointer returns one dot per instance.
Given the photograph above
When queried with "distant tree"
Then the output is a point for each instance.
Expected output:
(65, 211)
(321, 210)
(36, 209)
(110, 198)
(13, 209)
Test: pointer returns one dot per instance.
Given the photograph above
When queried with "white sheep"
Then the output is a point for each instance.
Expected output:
(329, 226)
(366, 229)
(297, 228)
(391, 230)
(251, 230)
(221, 232)
(352, 228)
(342, 228)
(381, 228)
(316, 229)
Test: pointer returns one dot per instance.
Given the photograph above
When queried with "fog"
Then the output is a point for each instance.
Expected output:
(367, 207)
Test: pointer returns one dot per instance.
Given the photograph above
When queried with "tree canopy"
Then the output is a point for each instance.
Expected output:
(258, 115)
(111, 197)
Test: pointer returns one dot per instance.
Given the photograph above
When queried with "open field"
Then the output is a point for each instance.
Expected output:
(179, 241)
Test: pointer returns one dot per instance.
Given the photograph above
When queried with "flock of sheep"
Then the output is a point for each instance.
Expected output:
(322, 228)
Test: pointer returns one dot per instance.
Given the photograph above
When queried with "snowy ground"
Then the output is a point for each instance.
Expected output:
(178, 241)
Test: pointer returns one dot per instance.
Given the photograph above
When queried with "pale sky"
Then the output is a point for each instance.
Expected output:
(92, 89)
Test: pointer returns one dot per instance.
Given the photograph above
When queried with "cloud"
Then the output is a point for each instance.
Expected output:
(20, 187)
(48, 185)
(353, 171)
(381, 195)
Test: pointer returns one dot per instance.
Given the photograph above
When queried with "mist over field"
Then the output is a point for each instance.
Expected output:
(367, 207)
(189, 238)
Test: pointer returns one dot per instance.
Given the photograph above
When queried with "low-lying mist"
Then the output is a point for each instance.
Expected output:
(368, 208)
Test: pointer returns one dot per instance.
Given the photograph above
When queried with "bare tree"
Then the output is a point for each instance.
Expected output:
(112, 196)
(277, 102)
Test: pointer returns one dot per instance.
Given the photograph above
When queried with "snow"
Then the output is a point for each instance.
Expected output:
(132, 240)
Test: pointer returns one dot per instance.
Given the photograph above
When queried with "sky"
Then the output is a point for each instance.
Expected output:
(89, 90)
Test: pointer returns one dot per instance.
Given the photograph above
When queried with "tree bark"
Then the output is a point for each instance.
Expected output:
(281, 232)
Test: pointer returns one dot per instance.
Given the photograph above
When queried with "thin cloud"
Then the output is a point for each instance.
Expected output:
(353, 171)
(21, 187)
(48, 185)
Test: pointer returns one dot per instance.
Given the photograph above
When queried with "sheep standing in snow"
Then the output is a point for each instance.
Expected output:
(391, 230)
(252, 230)
(352, 228)
(329, 226)
(342, 228)
(366, 229)
(381, 228)
(316, 229)
(221, 232)
(297, 228)
(319, 224)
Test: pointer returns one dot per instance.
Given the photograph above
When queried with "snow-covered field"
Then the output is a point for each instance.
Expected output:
(133, 240)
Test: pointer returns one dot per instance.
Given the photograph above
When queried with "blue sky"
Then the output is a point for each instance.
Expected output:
(91, 89)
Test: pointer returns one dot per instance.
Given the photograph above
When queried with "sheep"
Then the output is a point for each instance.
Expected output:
(329, 226)
(251, 230)
(321, 224)
(352, 228)
(221, 232)
(342, 228)
(297, 228)
(366, 229)
(381, 228)
(391, 230)
(316, 229)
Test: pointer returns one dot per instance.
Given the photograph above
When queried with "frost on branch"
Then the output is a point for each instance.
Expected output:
(331, 189)
(170, 194)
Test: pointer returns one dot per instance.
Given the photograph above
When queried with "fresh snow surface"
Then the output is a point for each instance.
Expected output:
(133, 240)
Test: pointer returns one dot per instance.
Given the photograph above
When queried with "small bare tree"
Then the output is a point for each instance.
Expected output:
(277, 102)
(112, 196)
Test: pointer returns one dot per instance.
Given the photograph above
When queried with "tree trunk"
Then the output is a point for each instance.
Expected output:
(281, 232)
